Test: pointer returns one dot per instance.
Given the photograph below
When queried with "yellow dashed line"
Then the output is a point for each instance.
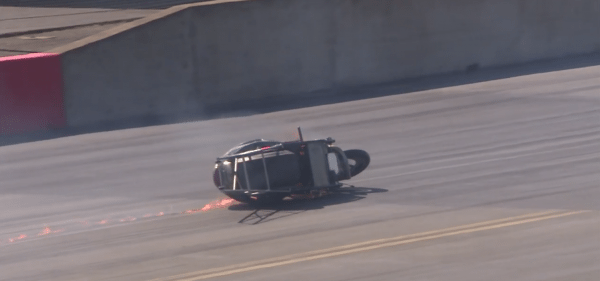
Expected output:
(369, 245)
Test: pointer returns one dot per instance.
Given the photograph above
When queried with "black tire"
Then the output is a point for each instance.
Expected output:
(358, 160)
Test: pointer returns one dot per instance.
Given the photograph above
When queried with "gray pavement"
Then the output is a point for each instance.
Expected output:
(107, 4)
(25, 30)
(44, 41)
(124, 205)
(15, 20)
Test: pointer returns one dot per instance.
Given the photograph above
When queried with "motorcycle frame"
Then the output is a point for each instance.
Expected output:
(319, 164)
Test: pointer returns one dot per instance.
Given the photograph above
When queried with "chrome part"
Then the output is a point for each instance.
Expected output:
(246, 174)
(235, 173)
(317, 155)
(266, 173)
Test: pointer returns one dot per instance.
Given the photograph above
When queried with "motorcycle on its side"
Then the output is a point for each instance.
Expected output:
(266, 171)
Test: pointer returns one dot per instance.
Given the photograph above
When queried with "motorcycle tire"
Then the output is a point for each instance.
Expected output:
(358, 160)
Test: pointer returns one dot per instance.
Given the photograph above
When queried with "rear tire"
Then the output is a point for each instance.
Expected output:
(358, 160)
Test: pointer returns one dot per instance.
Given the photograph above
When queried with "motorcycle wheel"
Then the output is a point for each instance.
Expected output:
(358, 160)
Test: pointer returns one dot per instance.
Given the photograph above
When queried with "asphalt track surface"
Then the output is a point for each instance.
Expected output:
(489, 181)
(16, 20)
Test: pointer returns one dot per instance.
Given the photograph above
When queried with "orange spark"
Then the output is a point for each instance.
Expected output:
(128, 219)
(225, 202)
(160, 214)
(221, 203)
(192, 211)
(21, 237)
(102, 222)
(46, 231)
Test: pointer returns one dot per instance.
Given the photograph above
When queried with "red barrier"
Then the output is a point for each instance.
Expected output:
(31, 94)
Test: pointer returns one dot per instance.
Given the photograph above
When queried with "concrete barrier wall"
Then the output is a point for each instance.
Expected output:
(257, 49)
(31, 95)
(195, 56)
(387, 40)
(144, 71)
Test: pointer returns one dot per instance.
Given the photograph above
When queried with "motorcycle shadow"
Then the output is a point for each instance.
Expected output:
(289, 207)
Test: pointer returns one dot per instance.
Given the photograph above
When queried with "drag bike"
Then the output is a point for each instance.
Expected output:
(265, 171)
